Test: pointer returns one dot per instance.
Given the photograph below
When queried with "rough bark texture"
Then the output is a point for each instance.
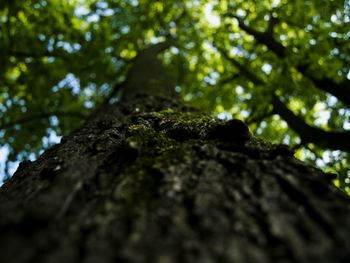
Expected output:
(147, 75)
(151, 180)
(154, 181)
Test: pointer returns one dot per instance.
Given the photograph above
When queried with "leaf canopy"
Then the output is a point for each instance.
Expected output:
(263, 61)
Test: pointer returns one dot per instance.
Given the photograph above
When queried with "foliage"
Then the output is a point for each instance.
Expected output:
(61, 60)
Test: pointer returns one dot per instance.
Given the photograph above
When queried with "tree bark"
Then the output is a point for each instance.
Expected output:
(153, 180)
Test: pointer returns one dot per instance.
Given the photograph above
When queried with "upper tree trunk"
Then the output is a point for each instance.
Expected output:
(151, 180)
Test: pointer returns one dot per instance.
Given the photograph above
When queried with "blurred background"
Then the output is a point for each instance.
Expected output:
(282, 66)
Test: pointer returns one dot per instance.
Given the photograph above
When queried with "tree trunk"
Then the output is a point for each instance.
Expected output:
(152, 180)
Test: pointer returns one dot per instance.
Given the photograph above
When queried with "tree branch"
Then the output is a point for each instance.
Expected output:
(273, 21)
(23, 54)
(238, 65)
(115, 89)
(228, 79)
(263, 38)
(332, 140)
(41, 116)
(260, 118)
(307, 133)
(340, 91)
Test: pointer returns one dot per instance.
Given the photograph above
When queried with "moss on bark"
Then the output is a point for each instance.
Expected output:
(152, 180)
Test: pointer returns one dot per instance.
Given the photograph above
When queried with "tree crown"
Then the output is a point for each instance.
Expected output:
(282, 66)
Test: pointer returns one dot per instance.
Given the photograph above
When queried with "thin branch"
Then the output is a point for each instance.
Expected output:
(25, 54)
(263, 37)
(41, 116)
(299, 145)
(228, 79)
(116, 88)
(238, 65)
(273, 21)
(260, 118)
